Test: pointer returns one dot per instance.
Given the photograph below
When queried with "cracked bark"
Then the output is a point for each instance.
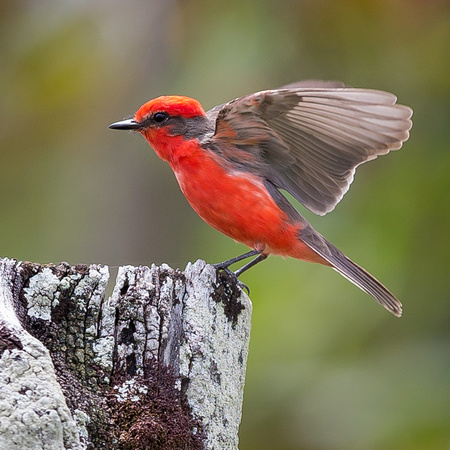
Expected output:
(160, 364)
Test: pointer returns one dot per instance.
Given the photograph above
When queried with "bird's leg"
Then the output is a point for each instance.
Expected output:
(229, 262)
(253, 262)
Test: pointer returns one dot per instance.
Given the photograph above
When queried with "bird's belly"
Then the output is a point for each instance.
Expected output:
(239, 206)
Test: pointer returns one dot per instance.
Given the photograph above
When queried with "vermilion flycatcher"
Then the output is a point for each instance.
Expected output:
(306, 138)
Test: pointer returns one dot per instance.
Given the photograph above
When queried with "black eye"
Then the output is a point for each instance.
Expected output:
(160, 117)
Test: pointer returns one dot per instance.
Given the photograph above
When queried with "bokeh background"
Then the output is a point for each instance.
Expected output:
(328, 368)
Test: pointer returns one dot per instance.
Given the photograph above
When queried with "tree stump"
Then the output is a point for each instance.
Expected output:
(160, 364)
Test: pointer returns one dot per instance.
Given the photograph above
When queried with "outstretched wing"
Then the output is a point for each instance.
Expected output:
(309, 141)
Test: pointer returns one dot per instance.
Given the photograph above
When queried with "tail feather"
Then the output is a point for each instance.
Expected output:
(347, 268)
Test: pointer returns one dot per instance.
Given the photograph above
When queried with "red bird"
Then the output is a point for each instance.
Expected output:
(306, 138)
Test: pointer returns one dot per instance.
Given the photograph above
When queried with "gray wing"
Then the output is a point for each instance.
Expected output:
(212, 113)
(309, 141)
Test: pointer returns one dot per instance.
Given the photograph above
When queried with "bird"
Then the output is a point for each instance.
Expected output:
(235, 162)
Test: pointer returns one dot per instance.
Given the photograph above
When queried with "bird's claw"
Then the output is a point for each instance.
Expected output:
(242, 286)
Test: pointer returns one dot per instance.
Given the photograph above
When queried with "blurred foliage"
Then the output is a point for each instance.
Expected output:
(328, 368)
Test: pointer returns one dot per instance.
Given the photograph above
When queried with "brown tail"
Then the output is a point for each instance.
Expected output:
(347, 268)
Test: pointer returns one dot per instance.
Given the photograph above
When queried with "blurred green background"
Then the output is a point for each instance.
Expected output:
(328, 368)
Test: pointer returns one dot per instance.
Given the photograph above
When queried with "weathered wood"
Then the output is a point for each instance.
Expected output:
(160, 364)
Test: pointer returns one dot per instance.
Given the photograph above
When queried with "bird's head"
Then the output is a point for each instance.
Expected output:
(166, 121)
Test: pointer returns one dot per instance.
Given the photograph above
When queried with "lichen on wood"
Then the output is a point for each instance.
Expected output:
(158, 364)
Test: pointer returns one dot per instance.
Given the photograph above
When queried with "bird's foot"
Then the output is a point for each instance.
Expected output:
(231, 275)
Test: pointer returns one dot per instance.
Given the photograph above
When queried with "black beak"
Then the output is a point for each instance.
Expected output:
(126, 124)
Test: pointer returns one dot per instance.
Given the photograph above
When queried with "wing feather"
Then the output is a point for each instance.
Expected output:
(309, 140)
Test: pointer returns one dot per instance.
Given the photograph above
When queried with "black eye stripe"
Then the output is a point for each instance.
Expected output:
(189, 127)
